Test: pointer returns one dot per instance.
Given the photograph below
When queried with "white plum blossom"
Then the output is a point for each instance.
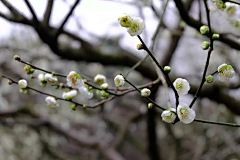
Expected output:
(41, 80)
(185, 114)
(68, 95)
(231, 9)
(182, 86)
(22, 83)
(41, 77)
(85, 92)
(125, 20)
(137, 26)
(145, 92)
(74, 80)
(225, 72)
(51, 102)
(119, 81)
(99, 78)
(169, 115)
(51, 78)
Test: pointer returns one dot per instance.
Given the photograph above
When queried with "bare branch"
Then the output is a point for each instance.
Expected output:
(48, 12)
(60, 29)
(32, 11)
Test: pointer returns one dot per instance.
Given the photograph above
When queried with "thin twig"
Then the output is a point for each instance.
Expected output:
(155, 104)
(217, 123)
(160, 67)
(208, 57)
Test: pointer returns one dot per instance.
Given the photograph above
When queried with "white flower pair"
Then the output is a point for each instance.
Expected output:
(134, 25)
(185, 114)
(74, 80)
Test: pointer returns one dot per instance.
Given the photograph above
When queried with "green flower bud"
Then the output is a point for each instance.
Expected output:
(74, 107)
(139, 46)
(204, 30)
(150, 105)
(104, 94)
(56, 87)
(84, 106)
(215, 36)
(209, 79)
(17, 58)
(167, 69)
(104, 86)
(10, 82)
(31, 71)
(205, 45)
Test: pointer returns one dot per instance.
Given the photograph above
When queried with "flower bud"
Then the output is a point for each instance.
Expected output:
(17, 58)
(205, 45)
(215, 36)
(28, 69)
(56, 87)
(150, 105)
(74, 107)
(209, 79)
(204, 30)
(167, 69)
(10, 82)
(145, 92)
(221, 5)
(104, 86)
(104, 94)
(139, 46)
(84, 106)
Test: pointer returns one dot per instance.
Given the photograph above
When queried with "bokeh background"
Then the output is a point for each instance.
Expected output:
(92, 42)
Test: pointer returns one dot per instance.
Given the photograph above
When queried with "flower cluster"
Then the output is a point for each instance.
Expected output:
(134, 25)
(220, 4)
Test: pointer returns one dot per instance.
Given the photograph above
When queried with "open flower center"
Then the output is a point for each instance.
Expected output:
(184, 113)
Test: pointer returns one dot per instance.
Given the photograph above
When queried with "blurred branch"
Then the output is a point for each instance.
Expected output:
(232, 1)
(81, 139)
(123, 130)
(200, 11)
(48, 12)
(197, 24)
(35, 19)
(60, 29)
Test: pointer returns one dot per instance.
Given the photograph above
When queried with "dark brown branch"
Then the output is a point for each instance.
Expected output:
(11, 8)
(35, 19)
(48, 12)
(60, 29)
